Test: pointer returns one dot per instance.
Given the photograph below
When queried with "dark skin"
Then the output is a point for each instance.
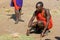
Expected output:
(18, 16)
(39, 9)
(17, 13)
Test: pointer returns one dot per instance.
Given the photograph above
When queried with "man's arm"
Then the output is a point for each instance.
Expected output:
(48, 18)
(31, 20)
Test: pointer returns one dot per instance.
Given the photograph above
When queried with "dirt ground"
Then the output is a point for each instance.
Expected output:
(7, 24)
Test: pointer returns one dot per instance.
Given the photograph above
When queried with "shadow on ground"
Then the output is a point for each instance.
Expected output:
(13, 16)
(58, 38)
(47, 39)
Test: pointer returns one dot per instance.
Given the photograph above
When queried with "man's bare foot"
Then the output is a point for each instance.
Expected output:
(42, 35)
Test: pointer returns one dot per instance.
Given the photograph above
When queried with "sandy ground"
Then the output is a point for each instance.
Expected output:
(7, 25)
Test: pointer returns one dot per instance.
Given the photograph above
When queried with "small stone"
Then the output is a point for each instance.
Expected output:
(15, 35)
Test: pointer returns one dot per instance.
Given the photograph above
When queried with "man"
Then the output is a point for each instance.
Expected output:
(17, 4)
(43, 17)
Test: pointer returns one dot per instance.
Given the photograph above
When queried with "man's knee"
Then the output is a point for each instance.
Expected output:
(40, 23)
(20, 10)
(16, 11)
(34, 24)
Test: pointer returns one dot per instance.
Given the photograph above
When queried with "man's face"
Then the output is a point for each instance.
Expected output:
(39, 8)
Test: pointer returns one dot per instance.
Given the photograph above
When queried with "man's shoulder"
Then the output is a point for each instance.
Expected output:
(46, 9)
(35, 12)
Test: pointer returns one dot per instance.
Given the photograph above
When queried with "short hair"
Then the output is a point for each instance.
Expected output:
(39, 4)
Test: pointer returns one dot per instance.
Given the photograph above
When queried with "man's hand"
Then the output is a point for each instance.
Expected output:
(42, 35)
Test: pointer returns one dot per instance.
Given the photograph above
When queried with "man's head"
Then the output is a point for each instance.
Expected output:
(39, 6)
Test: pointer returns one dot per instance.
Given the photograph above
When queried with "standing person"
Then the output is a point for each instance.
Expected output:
(44, 20)
(17, 4)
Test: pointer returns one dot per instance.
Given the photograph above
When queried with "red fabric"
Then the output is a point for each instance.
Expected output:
(15, 5)
(40, 17)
